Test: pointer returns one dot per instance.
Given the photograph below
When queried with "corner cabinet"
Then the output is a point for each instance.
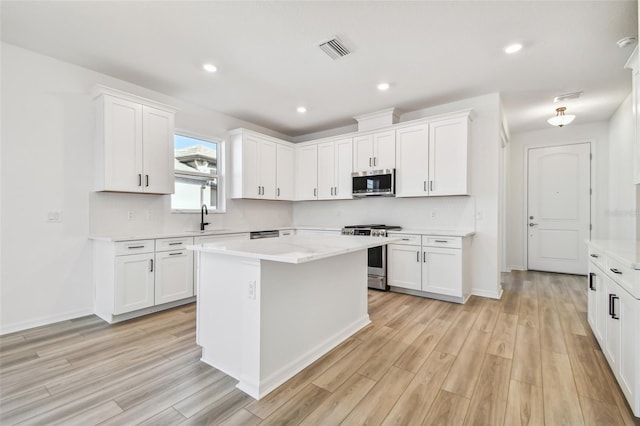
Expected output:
(614, 316)
(431, 158)
(134, 143)
(256, 173)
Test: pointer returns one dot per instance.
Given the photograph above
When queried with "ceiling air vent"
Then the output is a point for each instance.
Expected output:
(567, 96)
(334, 48)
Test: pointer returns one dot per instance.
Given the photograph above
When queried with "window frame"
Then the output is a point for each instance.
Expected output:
(220, 174)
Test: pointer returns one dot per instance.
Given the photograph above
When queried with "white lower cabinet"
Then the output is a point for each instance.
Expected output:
(133, 278)
(431, 266)
(134, 282)
(614, 317)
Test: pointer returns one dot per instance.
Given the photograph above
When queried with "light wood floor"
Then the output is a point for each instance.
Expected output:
(529, 358)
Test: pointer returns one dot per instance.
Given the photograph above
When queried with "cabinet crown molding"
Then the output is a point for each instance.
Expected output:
(99, 90)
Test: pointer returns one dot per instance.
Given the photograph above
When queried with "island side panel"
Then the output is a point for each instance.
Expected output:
(306, 310)
(228, 320)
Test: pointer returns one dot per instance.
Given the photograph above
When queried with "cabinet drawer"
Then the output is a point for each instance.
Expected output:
(597, 257)
(407, 239)
(623, 275)
(134, 247)
(167, 244)
(433, 241)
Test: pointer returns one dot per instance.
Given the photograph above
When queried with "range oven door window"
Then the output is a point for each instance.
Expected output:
(376, 258)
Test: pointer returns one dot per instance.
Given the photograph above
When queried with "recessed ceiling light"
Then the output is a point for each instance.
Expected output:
(383, 86)
(210, 68)
(301, 110)
(513, 48)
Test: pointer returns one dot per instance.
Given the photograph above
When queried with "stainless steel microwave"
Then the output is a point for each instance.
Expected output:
(374, 183)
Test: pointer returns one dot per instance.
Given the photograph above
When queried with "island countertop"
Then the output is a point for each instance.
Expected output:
(295, 248)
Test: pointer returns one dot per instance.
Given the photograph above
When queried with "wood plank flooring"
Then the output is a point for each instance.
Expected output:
(528, 359)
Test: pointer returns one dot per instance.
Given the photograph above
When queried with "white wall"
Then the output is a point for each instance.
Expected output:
(621, 214)
(598, 134)
(451, 212)
(47, 151)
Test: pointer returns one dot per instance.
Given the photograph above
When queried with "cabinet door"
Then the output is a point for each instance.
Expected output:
(384, 150)
(602, 307)
(343, 166)
(251, 167)
(157, 151)
(268, 169)
(307, 172)
(326, 170)
(448, 140)
(442, 271)
(362, 153)
(626, 308)
(122, 145)
(284, 172)
(412, 159)
(594, 294)
(174, 276)
(404, 266)
(134, 283)
(612, 327)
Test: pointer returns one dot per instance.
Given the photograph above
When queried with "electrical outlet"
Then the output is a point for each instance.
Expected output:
(252, 290)
(433, 214)
(131, 215)
(54, 216)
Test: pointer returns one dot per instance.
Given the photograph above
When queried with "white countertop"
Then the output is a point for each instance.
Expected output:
(436, 232)
(295, 248)
(626, 252)
(153, 236)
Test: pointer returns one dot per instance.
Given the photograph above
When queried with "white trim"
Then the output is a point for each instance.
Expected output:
(48, 320)
(491, 294)
(592, 197)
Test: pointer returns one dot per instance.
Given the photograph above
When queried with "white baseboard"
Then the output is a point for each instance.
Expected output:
(38, 322)
(491, 294)
(517, 268)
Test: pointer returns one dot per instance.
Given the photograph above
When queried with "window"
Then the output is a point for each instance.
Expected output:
(198, 174)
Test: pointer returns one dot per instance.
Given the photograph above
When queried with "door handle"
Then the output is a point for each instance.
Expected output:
(430, 185)
(150, 265)
(375, 161)
(146, 177)
(315, 192)
(533, 224)
(369, 161)
(591, 275)
(278, 192)
(424, 257)
(613, 306)
(615, 271)
(139, 179)
(424, 186)
(418, 256)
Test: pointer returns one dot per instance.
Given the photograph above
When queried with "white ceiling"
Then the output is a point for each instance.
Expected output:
(432, 52)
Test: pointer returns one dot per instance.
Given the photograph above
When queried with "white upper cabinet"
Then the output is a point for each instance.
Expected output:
(134, 144)
(334, 169)
(634, 64)
(432, 158)
(307, 172)
(374, 151)
(448, 145)
(412, 160)
(285, 157)
(254, 166)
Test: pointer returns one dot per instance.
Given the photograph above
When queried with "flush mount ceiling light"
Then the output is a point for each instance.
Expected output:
(210, 68)
(513, 48)
(383, 86)
(301, 110)
(560, 119)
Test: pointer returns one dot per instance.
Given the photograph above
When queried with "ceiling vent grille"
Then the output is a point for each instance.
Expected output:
(334, 48)
(567, 96)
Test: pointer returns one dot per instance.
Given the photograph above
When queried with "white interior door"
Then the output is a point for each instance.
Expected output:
(559, 208)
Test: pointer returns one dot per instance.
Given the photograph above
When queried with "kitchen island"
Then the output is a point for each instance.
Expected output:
(268, 308)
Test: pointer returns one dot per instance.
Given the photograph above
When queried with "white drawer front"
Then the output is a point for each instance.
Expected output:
(167, 244)
(597, 257)
(407, 239)
(134, 247)
(626, 277)
(433, 241)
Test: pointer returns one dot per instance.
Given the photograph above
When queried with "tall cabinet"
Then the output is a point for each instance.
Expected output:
(134, 143)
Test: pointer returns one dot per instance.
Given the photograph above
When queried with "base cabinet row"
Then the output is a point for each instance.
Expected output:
(430, 266)
(614, 317)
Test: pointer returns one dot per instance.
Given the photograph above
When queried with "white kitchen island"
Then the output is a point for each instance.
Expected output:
(268, 308)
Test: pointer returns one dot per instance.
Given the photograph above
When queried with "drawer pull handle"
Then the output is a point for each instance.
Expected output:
(615, 271)
(135, 247)
(613, 306)
(442, 241)
(591, 275)
(406, 239)
(176, 244)
(594, 255)
(175, 254)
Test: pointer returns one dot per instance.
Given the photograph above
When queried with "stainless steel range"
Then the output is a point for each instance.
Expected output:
(377, 265)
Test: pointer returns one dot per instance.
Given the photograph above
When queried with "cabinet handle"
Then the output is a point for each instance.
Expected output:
(375, 161)
(139, 179)
(315, 192)
(424, 186)
(591, 275)
(441, 241)
(175, 253)
(406, 239)
(615, 271)
(176, 244)
(150, 265)
(278, 192)
(430, 185)
(418, 256)
(146, 177)
(613, 299)
(424, 257)
(594, 255)
(135, 247)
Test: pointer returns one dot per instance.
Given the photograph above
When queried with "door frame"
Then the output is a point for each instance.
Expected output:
(525, 200)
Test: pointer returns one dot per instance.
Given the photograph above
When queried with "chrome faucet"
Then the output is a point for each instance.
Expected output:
(203, 211)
